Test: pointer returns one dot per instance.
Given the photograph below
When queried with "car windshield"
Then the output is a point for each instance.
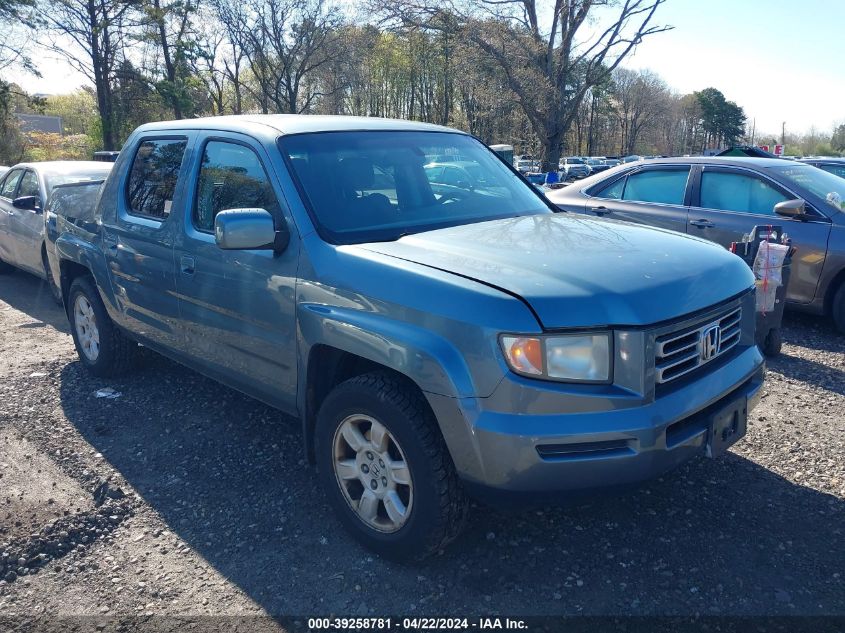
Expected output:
(825, 185)
(379, 186)
(575, 161)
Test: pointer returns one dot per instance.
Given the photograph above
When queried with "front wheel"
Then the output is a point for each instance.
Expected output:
(386, 469)
(102, 347)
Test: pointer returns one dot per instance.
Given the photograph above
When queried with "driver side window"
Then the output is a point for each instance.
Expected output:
(11, 183)
(743, 193)
(29, 186)
(231, 177)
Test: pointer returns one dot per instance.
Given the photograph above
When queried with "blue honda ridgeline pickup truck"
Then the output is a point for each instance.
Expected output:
(438, 329)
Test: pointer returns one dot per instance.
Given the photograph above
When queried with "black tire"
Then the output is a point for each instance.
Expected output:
(438, 512)
(55, 291)
(117, 353)
(773, 342)
(838, 308)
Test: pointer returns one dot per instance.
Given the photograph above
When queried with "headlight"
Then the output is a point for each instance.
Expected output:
(570, 357)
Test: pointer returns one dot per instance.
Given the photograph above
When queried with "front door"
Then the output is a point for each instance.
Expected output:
(238, 306)
(138, 239)
(8, 187)
(27, 227)
(731, 201)
(654, 195)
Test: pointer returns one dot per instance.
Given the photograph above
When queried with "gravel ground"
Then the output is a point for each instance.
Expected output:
(181, 497)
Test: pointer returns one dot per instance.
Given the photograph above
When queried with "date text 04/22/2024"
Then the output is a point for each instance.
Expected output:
(416, 624)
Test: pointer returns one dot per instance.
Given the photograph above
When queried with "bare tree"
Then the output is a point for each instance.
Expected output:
(550, 62)
(285, 43)
(96, 29)
(639, 98)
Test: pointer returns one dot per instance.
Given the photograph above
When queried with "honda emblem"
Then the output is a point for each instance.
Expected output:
(711, 342)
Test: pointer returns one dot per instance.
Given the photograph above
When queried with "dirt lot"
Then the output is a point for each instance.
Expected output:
(183, 497)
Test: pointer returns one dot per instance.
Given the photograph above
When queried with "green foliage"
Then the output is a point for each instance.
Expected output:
(50, 146)
(723, 121)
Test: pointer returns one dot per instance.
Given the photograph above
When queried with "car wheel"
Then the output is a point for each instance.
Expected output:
(386, 469)
(773, 342)
(55, 291)
(103, 349)
(838, 308)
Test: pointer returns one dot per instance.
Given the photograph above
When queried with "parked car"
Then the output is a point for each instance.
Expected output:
(70, 209)
(597, 165)
(721, 199)
(574, 167)
(835, 166)
(433, 345)
(23, 191)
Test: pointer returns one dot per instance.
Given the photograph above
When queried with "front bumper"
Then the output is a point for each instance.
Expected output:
(509, 454)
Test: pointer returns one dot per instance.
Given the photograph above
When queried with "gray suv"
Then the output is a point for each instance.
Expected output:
(436, 339)
(722, 199)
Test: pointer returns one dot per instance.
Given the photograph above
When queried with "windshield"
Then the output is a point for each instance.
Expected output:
(379, 186)
(574, 161)
(825, 185)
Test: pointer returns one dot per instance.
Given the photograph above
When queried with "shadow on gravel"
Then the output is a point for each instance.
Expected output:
(30, 295)
(227, 474)
(809, 371)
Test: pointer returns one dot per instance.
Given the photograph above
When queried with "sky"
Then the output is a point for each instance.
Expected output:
(781, 60)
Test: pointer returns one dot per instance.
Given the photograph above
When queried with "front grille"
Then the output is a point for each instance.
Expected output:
(682, 351)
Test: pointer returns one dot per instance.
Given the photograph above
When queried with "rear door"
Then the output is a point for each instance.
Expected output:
(27, 227)
(729, 201)
(7, 193)
(138, 238)
(655, 195)
(238, 306)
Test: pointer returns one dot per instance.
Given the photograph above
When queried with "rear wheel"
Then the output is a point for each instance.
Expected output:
(773, 342)
(55, 291)
(838, 308)
(386, 468)
(102, 347)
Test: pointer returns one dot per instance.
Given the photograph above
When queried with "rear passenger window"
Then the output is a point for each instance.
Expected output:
(152, 180)
(665, 186)
(738, 192)
(231, 177)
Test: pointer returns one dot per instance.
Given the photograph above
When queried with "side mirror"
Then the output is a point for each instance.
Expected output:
(791, 209)
(248, 229)
(27, 203)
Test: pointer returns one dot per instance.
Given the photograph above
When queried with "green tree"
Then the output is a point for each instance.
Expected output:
(837, 141)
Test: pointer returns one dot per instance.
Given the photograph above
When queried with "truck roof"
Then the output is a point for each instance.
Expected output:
(293, 124)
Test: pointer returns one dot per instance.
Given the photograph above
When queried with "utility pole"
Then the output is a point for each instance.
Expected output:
(753, 130)
(783, 134)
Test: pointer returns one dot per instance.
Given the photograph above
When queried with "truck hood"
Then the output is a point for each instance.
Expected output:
(575, 271)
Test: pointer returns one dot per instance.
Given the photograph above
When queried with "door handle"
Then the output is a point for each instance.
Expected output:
(600, 210)
(187, 265)
(702, 224)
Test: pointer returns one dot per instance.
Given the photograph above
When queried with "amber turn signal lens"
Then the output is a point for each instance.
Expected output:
(524, 354)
